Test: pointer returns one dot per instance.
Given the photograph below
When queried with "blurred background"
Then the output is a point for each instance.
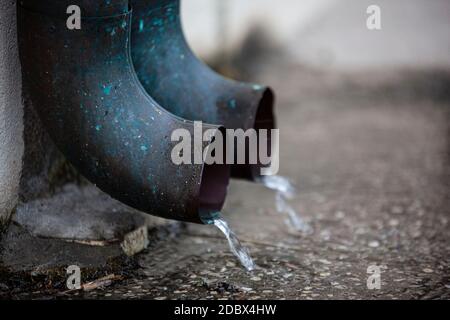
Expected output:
(324, 33)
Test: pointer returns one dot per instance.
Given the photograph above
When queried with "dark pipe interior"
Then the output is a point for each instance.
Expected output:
(264, 114)
(264, 120)
(215, 179)
(213, 188)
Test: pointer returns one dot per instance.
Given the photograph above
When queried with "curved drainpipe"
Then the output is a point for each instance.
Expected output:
(84, 88)
(184, 85)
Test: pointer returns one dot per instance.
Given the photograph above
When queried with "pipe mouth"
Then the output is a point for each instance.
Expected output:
(264, 114)
(264, 119)
(214, 185)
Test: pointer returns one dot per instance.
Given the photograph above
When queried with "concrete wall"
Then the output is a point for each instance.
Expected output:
(30, 165)
(11, 111)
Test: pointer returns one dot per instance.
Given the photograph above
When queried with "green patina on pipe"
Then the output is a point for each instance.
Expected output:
(184, 85)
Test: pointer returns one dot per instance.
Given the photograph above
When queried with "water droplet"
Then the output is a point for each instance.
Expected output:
(374, 244)
(257, 87)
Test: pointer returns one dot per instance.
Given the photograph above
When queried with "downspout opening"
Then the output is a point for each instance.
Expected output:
(214, 185)
(265, 119)
(264, 114)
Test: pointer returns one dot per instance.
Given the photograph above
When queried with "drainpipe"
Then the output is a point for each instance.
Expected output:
(84, 88)
(184, 85)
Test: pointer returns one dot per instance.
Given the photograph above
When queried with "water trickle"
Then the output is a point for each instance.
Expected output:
(236, 247)
(286, 191)
(280, 184)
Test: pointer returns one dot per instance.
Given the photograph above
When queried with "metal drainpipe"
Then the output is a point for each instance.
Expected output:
(83, 85)
(184, 85)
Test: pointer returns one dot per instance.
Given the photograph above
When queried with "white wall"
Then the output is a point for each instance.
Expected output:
(11, 110)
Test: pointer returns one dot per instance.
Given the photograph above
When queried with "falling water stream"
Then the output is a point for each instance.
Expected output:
(285, 192)
(236, 247)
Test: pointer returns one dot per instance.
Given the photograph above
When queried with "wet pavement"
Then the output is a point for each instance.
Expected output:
(369, 155)
(370, 158)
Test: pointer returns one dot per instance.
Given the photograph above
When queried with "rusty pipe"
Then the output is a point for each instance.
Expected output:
(184, 85)
(85, 90)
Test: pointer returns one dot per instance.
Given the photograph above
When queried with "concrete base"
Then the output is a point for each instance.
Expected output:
(30, 264)
(79, 214)
(23, 252)
(76, 225)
